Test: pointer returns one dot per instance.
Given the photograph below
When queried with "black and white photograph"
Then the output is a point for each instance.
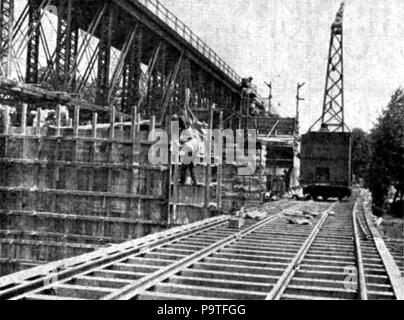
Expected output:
(201, 150)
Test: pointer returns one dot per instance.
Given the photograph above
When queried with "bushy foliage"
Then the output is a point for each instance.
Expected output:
(387, 143)
(360, 156)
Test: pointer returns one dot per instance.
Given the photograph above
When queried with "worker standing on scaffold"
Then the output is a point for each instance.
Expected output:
(184, 124)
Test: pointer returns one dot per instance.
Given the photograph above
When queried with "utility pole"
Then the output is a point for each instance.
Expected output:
(269, 85)
(298, 99)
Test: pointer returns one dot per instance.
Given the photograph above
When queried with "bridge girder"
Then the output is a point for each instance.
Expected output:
(86, 30)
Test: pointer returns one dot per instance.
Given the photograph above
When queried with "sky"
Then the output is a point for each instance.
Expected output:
(287, 41)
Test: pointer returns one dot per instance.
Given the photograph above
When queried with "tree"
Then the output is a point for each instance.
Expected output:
(387, 161)
(360, 155)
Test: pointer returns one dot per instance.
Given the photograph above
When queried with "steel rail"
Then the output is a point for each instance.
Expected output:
(283, 282)
(134, 289)
(21, 282)
(26, 283)
(359, 259)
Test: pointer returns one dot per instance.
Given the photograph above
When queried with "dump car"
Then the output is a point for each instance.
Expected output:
(326, 164)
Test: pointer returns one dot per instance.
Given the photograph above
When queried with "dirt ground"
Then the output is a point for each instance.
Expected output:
(392, 228)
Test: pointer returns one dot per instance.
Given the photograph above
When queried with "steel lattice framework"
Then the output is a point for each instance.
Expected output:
(6, 33)
(112, 54)
(332, 117)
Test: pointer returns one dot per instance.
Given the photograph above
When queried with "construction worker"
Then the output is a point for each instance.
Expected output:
(246, 83)
(287, 174)
(184, 124)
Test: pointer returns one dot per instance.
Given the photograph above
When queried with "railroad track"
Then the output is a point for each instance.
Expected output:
(341, 262)
(333, 257)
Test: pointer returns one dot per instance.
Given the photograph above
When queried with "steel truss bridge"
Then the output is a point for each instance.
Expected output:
(112, 56)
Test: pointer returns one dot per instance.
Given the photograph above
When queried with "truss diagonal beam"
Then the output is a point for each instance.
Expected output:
(334, 89)
(104, 58)
(6, 34)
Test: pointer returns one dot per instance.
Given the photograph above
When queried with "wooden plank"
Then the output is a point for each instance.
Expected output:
(84, 139)
(222, 283)
(43, 297)
(208, 291)
(81, 292)
(115, 274)
(42, 234)
(393, 271)
(101, 282)
(48, 244)
(84, 218)
(83, 193)
(224, 275)
(149, 295)
(97, 165)
(31, 92)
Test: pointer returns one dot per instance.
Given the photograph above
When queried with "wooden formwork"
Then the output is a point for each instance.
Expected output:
(65, 191)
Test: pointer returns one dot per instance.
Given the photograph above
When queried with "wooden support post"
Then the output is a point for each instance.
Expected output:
(56, 168)
(24, 129)
(92, 151)
(139, 122)
(94, 125)
(108, 201)
(173, 179)
(76, 124)
(208, 171)
(112, 123)
(133, 136)
(261, 175)
(153, 128)
(6, 120)
(133, 128)
(24, 119)
(169, 174)
(38, 123)
(40, 144)
(58, 122)
(247, 110)
(121, 127)
(6, 129)
(110, 155)
(219, 177)
(175, 191)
